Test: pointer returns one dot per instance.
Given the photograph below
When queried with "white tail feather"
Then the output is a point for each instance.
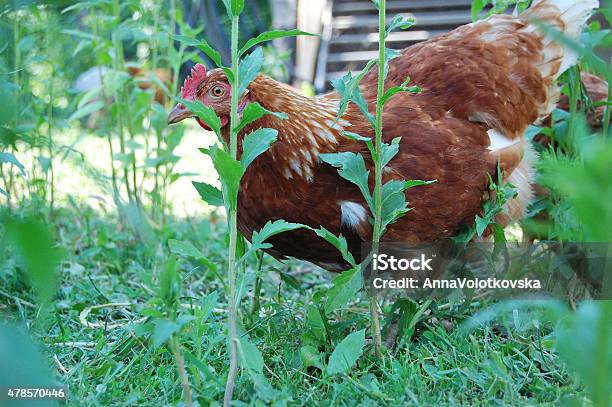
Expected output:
(573, 13)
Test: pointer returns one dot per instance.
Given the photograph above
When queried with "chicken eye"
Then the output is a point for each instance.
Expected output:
(217, 91)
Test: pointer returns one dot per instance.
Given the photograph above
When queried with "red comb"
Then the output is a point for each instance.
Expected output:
(198, 73)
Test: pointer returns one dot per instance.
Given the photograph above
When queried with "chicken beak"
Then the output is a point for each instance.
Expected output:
(179, 113)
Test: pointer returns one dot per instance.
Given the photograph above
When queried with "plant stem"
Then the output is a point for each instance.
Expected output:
(174, 85)
(233, 228)
(52, 59)
(180, 365)
(118, 48)
(377, 232)
(109, 136)
(50, 148)
(158, 136)
(257, 285)
(608, 111)
(16, 68)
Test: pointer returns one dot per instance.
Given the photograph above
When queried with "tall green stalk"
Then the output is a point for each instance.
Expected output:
(377, 232)
(175, 347)
(233, 227)
(50, 148)
(608, 111)
(117, 65)
(158, 136)
(16, 80)
(50, 35)
(109, 136)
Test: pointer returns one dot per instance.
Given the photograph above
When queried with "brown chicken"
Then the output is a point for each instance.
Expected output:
(142, 76)
(482, 83)
(597, 91)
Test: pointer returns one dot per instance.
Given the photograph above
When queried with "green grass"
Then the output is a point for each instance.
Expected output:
(510, 362)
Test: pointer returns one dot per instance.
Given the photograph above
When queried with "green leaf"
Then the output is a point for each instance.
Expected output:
(205, 113)
(584, 342)
(351, 167)
(399, 21)
(11, 159)
(290, 281)
(87, 110)
(477, 7)
(481, 224)
(357, 137)
(394, 204)
(207, 306)
(228, 7)
(389, 151)
(531, 132)
(229, 73)
(22, 362)
(339, 242)
(389, 55)
(250, 356)
(8, 137)
(417, 183)
(346, 353)
(348, 88)
(271, 35)
(187, 40)
(8, 91)
(391, 92)
(37, 250)
(244, 284)
(164, 329)
(316, 323)
(230, 173)
(270, 229)
(254, 111)
(249, 68)
(345, 286)
(401, 88)
(45, 163)
(184, 248)
(255, 144)
(212, 53)
(310, 356)
(169, 283)
(193, 359)
(237, 7)
(209, 194)
(367, 140)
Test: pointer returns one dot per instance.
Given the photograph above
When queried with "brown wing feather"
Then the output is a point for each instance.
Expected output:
(475, 78)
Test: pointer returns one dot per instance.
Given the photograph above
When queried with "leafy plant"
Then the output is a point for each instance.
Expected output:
(387, 201)
(39, 256)
(230, 170)
(497, 6)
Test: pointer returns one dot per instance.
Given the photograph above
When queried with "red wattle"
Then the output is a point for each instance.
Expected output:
(224, 121)
(202, 124)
